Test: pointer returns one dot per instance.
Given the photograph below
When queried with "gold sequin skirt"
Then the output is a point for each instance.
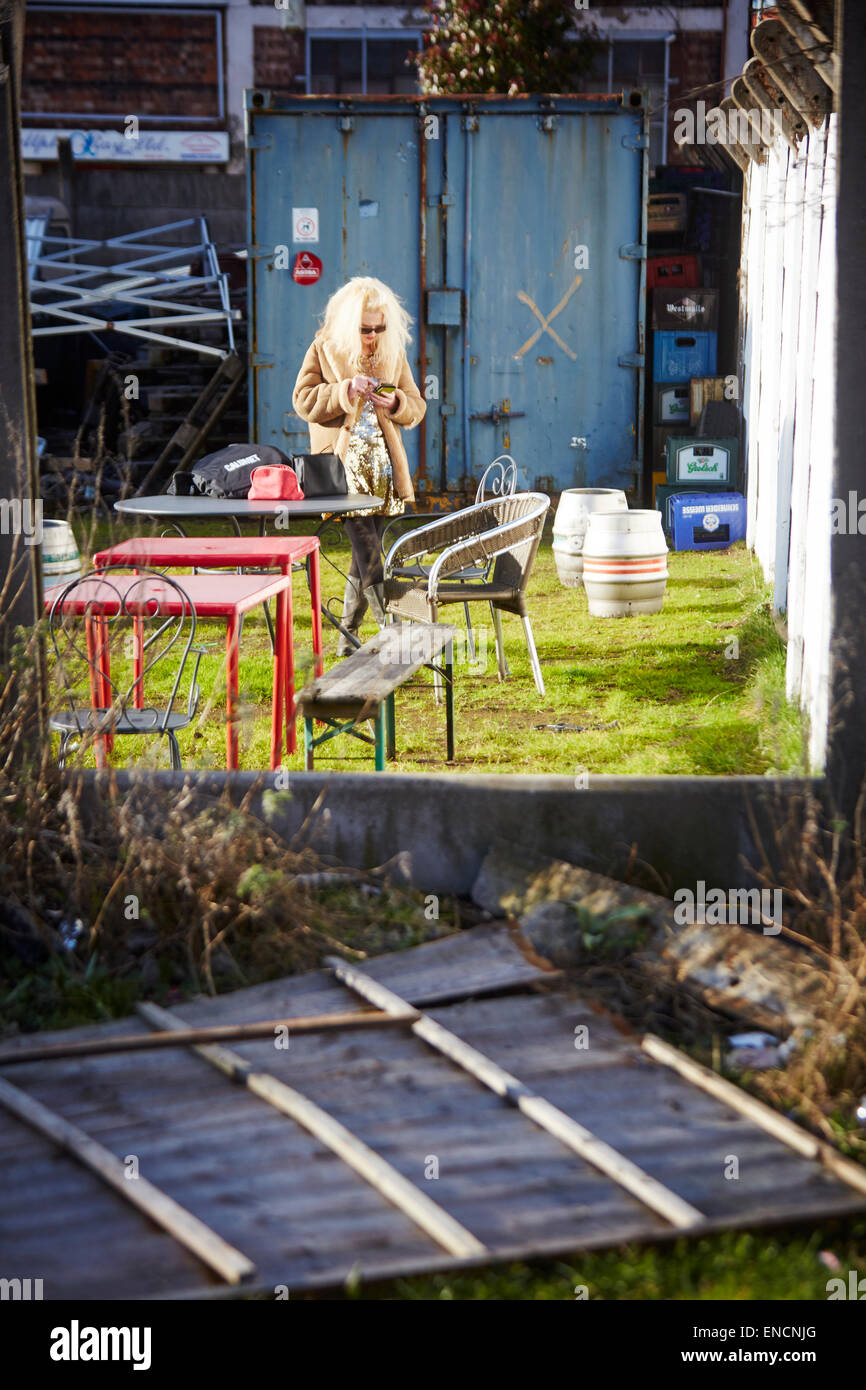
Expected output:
(368, 469)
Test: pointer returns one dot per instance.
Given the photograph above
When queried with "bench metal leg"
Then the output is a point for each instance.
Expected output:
(333, 729)
(381, 738)
(449, 701)
(391, 728)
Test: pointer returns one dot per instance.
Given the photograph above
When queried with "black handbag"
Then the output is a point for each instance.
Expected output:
(182, 485)
(320, 475)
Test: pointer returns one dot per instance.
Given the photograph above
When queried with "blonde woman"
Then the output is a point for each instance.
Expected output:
(359, 348)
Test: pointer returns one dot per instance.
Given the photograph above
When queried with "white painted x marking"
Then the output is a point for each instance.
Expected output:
(546, 322)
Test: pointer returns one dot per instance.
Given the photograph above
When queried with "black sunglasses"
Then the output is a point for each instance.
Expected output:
(380, 329)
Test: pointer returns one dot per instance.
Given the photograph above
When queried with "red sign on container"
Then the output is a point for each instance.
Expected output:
(307, 268)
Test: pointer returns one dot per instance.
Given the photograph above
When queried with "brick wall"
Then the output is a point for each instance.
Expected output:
(278, 56)
(157, 64)
(696, 72)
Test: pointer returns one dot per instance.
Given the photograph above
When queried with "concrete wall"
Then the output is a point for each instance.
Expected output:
(685, 828)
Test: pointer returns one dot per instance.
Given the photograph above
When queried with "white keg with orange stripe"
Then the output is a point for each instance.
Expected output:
(625, 563)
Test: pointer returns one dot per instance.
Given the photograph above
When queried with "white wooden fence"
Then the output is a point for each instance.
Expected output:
(788, 311)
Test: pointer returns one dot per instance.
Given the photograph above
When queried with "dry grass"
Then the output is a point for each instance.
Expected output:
(817, 859)
(186, 891)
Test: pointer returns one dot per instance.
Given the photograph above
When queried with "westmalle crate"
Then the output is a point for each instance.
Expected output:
(673, 272)
(670, 404)
(674, 309)
(702, 462)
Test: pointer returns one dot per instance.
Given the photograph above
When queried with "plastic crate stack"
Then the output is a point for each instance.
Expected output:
(694, 428)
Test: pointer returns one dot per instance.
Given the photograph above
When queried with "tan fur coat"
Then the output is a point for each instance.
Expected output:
(321, 397)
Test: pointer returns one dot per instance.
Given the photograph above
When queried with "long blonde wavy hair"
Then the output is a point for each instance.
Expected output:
(343, 317)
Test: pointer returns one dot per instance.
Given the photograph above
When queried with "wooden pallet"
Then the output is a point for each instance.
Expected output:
(475, 1127)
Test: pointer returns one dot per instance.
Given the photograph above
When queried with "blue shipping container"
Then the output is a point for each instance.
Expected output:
(514, 230)
(678, 356)
(706, 521)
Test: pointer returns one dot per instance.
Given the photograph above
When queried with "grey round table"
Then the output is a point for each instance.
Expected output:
(164, 507)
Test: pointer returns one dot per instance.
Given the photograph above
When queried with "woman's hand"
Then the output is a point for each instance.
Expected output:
(361, 386)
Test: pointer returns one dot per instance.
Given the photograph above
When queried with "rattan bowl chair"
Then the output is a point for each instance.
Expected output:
(95, 617)
(500, 538)
(500, 480)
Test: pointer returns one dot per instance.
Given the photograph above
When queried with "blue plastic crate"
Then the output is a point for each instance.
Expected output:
(680, 355)
(706, 520)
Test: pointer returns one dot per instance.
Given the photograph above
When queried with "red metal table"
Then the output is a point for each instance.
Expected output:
(213, 596)
(263, 552)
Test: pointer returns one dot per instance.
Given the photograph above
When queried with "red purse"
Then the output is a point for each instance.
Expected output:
(277, 483)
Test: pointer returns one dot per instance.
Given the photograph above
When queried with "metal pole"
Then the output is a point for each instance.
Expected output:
(19, 561)
(469, 125)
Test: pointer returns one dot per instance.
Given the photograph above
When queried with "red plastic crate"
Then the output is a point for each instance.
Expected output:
(673, 272)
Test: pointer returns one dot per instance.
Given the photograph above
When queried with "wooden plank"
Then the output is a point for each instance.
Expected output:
(378, 668)
(425, 1213)
(614, 1165)
(778, 1125)
(221, 1032)
(210, 1248)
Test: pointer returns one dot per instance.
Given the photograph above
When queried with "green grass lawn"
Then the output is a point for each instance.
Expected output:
(697, 688)
(737, 1266)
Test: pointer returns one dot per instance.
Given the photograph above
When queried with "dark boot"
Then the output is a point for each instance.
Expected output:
(354, 608)
(375, 596)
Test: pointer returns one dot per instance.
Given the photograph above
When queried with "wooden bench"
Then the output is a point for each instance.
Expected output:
(362, 687)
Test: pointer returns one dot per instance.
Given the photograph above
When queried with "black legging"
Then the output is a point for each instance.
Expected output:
(365, 538)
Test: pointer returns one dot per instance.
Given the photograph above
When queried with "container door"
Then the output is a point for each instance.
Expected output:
(552, 213)
(347, 200)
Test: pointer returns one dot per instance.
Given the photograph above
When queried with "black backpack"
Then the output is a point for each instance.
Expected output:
(228, 472)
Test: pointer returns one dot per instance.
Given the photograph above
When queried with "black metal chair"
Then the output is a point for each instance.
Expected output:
(95, 616)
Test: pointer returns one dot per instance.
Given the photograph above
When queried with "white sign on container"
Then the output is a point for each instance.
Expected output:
(305, 224)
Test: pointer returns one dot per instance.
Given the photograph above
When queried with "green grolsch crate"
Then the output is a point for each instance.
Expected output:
(671, 403)
(700, 462)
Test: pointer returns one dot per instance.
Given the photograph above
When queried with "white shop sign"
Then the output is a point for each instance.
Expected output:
(112, 146)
